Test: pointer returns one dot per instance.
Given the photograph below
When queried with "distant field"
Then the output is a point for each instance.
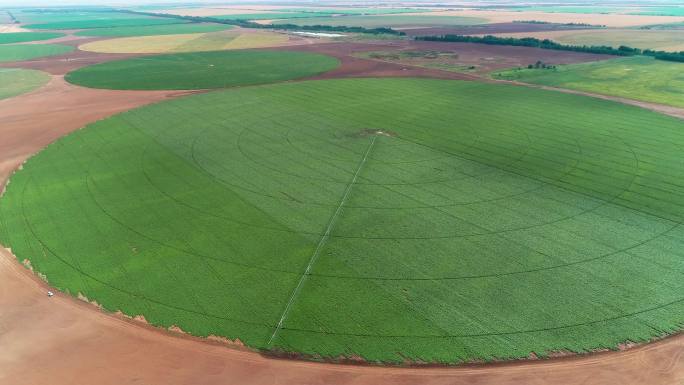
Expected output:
(570, 9)
(87, 20)
(150, 30)
(287, 11)
(640, 78)
(202, 70)
(357, 11)
(269, 16)
(665, 40)
(610, 20)
(18, 52)
(393, 21)
(22, 37)
(632, 10)
(661, 11)
(401, 220)
(14, 81)
(59, 16)
(187, 43)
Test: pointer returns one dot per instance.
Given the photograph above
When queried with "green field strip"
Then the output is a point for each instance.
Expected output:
(22, 37)
(321, 243)
(151, 30)
(20, 52)
(106, 23)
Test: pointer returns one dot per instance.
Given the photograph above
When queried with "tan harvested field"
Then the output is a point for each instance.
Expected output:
(215, 41)
(490, 29)
(653, 39)
(588, 18)
(64, 341)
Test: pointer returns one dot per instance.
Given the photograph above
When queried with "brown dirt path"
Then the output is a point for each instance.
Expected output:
(63, 341)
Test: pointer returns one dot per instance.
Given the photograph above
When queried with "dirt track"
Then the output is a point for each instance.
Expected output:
(61, 340)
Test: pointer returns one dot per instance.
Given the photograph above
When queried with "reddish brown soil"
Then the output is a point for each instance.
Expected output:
(489, 29)
(351, 66)
(487, 58)
(62, 341)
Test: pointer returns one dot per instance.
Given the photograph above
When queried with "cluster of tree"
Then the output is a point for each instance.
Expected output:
(548, 44)
(563, 24)
(669, 56)
(289, 27)
(531, 42)
(541, 65)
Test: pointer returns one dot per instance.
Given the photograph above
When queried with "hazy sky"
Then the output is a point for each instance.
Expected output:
(100, 2)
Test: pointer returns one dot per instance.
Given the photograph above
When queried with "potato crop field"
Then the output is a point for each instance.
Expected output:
(396, 220)
(202, 70)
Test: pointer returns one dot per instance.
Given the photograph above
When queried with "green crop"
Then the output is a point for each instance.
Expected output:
(391, 219)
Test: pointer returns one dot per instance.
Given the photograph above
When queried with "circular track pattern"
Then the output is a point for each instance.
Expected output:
(392, 219)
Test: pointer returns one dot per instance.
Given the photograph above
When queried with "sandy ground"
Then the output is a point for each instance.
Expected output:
(9, 28)
(590, 18)
(63, 341)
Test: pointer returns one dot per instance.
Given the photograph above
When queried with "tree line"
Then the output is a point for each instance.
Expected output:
(251, 24)
(549, 44)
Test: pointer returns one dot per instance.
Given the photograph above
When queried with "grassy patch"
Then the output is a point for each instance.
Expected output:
(640, 78)
(195, 42)
(106, 23)
(202, 70)
(391, 21)
(18, 52)
(454, 221)
(14, 81)
(149, 30)
(21, 37)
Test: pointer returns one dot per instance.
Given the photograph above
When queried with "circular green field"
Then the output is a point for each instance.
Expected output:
(202, 70)
(16, 81)
(391, 219)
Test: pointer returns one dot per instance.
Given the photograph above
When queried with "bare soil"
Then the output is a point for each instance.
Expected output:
(486, 58)
(61, 340)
